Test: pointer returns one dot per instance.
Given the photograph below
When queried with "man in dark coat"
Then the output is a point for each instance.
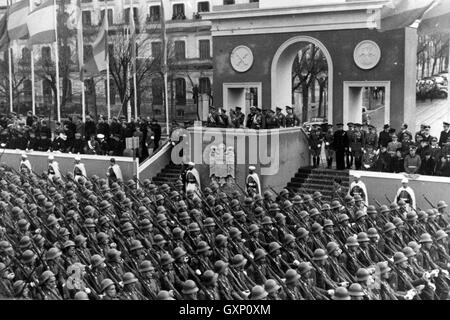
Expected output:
(444, 134)
(340, 144)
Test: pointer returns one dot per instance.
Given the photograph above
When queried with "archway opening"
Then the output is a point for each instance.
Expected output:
(302, 77)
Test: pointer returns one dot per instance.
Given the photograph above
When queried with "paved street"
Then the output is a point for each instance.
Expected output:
(433, 114)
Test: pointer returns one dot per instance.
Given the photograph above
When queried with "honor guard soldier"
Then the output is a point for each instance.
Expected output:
(53, 168)
(25, 165)
(280, 117)
(192, 178)
(253, 183)
(240, 117)
(114, 173)
(406, 194)
(291, 119)
(340, 145)
(79, 171)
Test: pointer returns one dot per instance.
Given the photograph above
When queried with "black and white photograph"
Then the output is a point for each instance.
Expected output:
(244, 151)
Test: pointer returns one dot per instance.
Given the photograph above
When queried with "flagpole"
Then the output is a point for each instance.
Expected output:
(10, 80)
(134, 60)
(108, 89)
(58, 106)
(165, 69)
(33, 90)
(81, 52)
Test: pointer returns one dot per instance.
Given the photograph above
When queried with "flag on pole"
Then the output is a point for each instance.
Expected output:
(41, 23)
(74, 22)
(403, 13)
(4, 39)
(17, 20)
(133, 56)
(437, 18)
(97, 63)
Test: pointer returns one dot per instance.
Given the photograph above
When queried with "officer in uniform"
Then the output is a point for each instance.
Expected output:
(240, 117)
(356, 146)
(114, 173)
(79, 171)
(281, 117)
(348, 153)
(445, 134)
(272, 122)
(340, 146)
(291, 119)
(25, 165)
(329, 151)
(53, 168)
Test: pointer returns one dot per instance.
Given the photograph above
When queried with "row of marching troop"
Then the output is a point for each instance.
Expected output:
(101, 237)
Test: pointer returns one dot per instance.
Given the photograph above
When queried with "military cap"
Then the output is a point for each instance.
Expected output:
(271, 286)
(23, 224)
(234, 203)
(325, 207)
(45, 276)
(425, 237)
(431, 213)
(220, 266)
(248, 201)
(297, 199)
(360, 214)
(328, 223)
(209, 222)
(266, 220)
(220, 240)
(422, 216)
(178, 232)
(348, 198)
(104, 205)
(397, 222)
(183, 216)
(401, 202)
(159, 197)
(335, 204)
(113, 255)
(239, 214)
(372, 233)
(258, 292)
(362, 237)
(89, 223)
(164, 295)
(357, 198)
(371, 210)
(314, 212)
(238, 260)
(408, 252)
(388, 227)
(319, 254)
(302, 233)
(79, 239)
(27, 257)
(166, 259)
(331, 247)
(159, 239)
(234, 233)
(442, 205)
(352, 242)
(356, 290)
(161, 217)
(289, 238)
(52, 253)
(193, 227)
(343, 217)
(291, 276)
(209, 277)
(101, 236)
(227, 217)
(136, 245)
(105, 284)
(189, 287)
(146, 266)
(307, 197)
(399, 257)
(362, 274)
(317, 195)
(63, 232)
(202, 246)
(259, 254)
(304, 267)
(440, 234)
(253, 228)
(316, 228)
(274, 207)
(129, 278)
(68, 244)
(414, 245)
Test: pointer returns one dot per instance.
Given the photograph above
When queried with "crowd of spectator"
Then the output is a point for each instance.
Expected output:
(94, 136)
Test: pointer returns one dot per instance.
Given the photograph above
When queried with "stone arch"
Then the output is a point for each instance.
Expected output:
(281, 72)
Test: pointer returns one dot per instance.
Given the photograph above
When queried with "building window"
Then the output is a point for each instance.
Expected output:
(135, 14)
(226, 2)
(27, 91)
(178, 12)
(86, 18)
(204, 48)
(26, 55)
(110, 16)
(87, 52)
(46, 54)
(47, 92)
(180, 50)
(203, 6)
(155, 14)
(205, 85)
(157, 91)
(180, 91)
(156, 49)
(180, 113)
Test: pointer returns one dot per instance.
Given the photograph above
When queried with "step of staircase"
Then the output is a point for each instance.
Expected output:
(311, 180)
(169, 174)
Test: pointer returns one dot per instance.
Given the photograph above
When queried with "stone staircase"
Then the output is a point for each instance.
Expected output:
(311, 180)
(170, 174)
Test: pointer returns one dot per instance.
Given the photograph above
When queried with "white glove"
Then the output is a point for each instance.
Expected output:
(296, 263)
(445, 272)
(197, 272)
(246, 293)
(344, 284)
(330, 292)
(432, 286)
(87, 290)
